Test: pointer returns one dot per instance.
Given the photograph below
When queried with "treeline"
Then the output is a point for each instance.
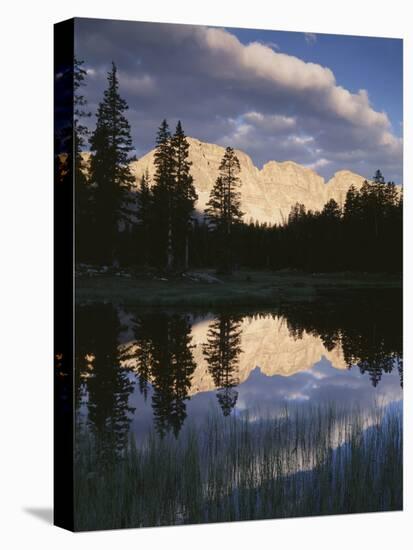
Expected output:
(363, 235)
(156, 225)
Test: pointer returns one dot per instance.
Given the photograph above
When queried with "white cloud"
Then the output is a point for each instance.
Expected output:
(142, 84)
(310, 86)
(310, 37)
(320, 163)
(301, 140)
(270, 122)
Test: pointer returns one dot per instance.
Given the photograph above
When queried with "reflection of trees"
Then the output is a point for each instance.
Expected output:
(367, 326)
(222, 354)
(164, 358)
(98, 372)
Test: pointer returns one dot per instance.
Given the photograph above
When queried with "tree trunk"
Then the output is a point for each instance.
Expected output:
(169, 253)
(186, 264)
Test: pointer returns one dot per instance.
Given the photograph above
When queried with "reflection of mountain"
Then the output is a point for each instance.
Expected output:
(366, 327)
(175, 355)
(265, 342)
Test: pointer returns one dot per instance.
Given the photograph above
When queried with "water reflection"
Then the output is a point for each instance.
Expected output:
(103, 387)
(141, 369)
(161, 355)
(367, 329)
(221, 352)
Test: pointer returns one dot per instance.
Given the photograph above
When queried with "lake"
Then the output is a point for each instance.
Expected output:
(216, 415)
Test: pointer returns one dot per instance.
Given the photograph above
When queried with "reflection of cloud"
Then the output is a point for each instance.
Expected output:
(297, 396)
(343, 388)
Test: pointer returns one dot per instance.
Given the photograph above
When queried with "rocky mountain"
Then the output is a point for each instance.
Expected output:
(267, 194)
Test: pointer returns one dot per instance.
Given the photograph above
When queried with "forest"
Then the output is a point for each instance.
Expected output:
(156, 226)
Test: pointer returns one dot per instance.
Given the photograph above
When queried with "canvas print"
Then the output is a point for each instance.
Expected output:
(230, 230)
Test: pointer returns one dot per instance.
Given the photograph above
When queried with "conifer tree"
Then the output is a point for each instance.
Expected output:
(144, 216)
(378, 177)
(82, 189)
(185, 195)
(163, 195)
(224, 205)
(110, 174)
(80, 112)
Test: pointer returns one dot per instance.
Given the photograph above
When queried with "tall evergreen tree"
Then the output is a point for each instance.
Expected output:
(224, 205)
(82, 189)
(144, 217)
(185, 195)
(174, 196)
(163, 195)
(378, 177)
(110, 174)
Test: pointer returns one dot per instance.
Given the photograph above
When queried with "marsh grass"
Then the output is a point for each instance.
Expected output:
(306, 461)
(243, 288)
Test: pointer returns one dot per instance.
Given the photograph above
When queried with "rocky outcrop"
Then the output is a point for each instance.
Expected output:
(267, 194)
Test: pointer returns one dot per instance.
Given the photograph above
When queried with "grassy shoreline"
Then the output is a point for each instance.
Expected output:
(205, 288)
(315, 461)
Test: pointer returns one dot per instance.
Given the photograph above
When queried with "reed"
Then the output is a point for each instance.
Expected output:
(305, 461)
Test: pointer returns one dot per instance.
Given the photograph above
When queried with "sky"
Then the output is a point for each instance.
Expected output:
(328, 102)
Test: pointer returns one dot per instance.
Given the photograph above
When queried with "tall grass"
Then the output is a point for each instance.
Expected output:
(306, 461)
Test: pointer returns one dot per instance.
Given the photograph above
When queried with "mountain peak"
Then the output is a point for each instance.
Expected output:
(267, 195)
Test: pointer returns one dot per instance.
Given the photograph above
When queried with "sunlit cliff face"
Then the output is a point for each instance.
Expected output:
(267, 194)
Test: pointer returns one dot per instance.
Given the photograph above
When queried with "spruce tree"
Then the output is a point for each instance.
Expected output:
(163, 195)
(224, 206)
(378, 177)
(110, 174)
(144, 216)
(82, 189)
(185, 195)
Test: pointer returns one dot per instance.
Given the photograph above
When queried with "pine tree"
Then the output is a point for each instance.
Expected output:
(378, 177)
(144, 216)
(185, 195)
(224, 206)
(110, 174)
(82, 189)
(80, 103)
(163, 195)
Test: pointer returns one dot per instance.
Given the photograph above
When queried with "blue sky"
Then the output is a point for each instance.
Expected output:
(325, 101)
(375, 64)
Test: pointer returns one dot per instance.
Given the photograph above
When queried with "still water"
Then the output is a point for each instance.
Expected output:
(215, 386)
(143, 370)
